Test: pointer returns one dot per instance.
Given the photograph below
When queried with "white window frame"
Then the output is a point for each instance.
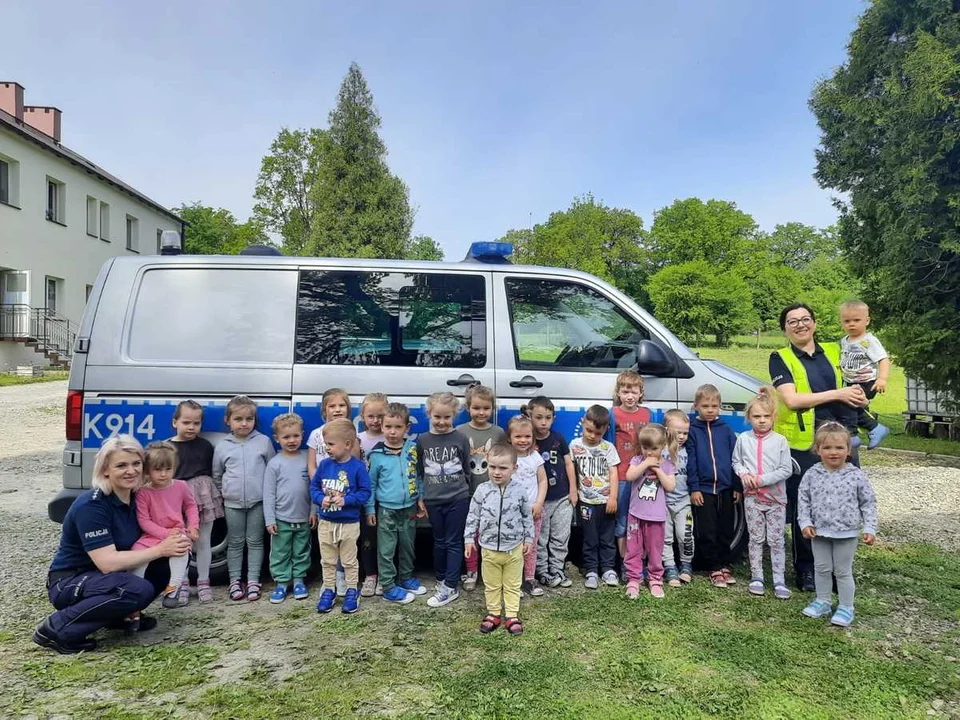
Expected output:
(133, 234)
(56, 201)
(93, 217)
(12, 182)
(104, 221)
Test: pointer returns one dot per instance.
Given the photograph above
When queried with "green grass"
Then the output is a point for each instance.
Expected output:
(744, 355)
(48, 376)
(698, 653)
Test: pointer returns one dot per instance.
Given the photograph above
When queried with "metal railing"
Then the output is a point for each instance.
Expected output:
(51, 332)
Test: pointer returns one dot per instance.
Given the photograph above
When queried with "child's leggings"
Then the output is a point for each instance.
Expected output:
(245, 527)
(203, 552)
(502, 574)
(472, 563)
(552, 548)
(178, 569)
(644, 538)
(679, 529)
(766, 522)
(834, 556)
(530, 559)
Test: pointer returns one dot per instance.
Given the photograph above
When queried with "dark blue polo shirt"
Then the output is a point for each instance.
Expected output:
(822, 377)
(95, 520)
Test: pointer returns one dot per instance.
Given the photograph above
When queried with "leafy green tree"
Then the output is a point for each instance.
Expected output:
(795, 244)
(772, 286)
(284, 197)
(591, 237)
(714, 231)
(693, 299)
(361, 208)
(215, 231)
(423, 248)
(890, 137)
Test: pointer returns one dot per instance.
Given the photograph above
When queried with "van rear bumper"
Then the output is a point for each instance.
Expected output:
(57, 508)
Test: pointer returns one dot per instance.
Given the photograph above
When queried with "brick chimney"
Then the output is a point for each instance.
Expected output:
(44, 119)
(11, 99)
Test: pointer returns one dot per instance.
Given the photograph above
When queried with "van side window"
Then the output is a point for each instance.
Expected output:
(393, 319)
(566, 326)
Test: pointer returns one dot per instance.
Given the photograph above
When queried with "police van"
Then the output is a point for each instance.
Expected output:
(159, 329)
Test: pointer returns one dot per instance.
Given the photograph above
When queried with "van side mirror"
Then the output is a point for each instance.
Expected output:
(652, 359)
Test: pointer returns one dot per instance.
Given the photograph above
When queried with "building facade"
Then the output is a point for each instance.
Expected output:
(61, 218)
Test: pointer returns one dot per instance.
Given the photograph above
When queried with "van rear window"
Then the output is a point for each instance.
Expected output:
(392, 319)
(202, 316)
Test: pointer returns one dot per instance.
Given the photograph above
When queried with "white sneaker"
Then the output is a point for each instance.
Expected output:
(369, 587)
(442, 596)
(590, 581)
(469, 581)
(610, 578)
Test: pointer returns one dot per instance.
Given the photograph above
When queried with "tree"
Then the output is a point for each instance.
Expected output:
(795, 244)
(215, 231)
(361, 208)
(284, 197)
(591, 237)
(424, 248)
(890, 142)
(694, 299)
(714, 231)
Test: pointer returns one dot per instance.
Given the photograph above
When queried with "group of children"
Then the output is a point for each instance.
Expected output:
(500, 503)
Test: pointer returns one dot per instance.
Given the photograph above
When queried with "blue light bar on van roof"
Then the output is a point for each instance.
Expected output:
(491, 251)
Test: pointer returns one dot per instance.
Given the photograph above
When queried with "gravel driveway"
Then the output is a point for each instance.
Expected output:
(916, 501)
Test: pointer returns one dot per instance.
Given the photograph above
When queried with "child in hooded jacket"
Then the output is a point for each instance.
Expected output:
(713, 486)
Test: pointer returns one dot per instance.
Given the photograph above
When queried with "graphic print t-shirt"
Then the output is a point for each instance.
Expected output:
(648, 499)
(554, 449)
(443, 461)
(526, 475)
(480, 443)
(859, 358)
(626, 426)
(593, 469)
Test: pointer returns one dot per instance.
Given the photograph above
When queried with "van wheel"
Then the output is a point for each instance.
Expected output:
(219, 574)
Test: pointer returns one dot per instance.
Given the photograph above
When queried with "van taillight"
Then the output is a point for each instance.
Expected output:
(74, 414)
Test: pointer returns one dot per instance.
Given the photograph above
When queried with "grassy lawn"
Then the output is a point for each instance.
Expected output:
(48, 376)
(698, 653)
(744, 355)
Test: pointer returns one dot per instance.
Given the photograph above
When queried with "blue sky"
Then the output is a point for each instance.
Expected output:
(495, 113)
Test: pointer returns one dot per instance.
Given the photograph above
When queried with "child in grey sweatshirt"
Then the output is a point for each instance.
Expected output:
(835, 502)
(239, 462)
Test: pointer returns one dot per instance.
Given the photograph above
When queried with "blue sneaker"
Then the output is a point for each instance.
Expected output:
(855, 441)
(351, 601)
(817, 609)
(843, 617)
(300, 591)
(327, 600)
(397, 594)
(279, 594)
(877, 435)
(412, 585)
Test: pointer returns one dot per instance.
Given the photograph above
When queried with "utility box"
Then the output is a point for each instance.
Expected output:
(930, 412)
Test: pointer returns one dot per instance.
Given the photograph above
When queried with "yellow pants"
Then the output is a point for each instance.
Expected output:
(502, 575)
(338, 541)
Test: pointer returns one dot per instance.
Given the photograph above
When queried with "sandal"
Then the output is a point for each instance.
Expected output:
(204, 592)
(513, 626)
(237, 591)
(716, 577)
(253, 591)
(489, 623)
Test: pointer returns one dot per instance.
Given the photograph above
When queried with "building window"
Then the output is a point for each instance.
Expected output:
(51, 288)
(92, 216)
(9, 181)
(104, 221)
(159, 236)
(86, 293)
(133, 234)
(56, 201)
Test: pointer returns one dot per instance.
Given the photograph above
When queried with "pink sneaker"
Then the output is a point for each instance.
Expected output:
(633, 589)
(656, 589)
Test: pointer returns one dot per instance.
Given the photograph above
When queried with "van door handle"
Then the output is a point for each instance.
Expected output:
(463, 380)
(527, 381)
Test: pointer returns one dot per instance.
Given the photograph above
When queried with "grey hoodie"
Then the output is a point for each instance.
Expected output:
(768, 456)
(836, 503)
(286, 489)
(238, 467)
(503, 516)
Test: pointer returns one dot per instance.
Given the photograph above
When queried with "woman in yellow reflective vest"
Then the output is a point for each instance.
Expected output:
(807, 375)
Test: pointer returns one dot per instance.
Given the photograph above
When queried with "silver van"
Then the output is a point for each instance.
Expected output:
(160, 329)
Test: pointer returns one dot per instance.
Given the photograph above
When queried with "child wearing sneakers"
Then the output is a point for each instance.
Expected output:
(372, 408)
(287, 510)
(531, 476)
(762, 460)
(595, 461)
(500, 513)
(392, 507)
(678, 532)
(863, 362)
(835, 501)
(341, 488)
(713, 486)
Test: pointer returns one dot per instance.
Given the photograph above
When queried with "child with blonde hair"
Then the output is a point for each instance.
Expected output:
(443, 461)
(239, 463)
(652, 476)
(165, 504)
(761, 458)
(863, 362)
(835, 503)
(678, 531)
(530, 476)
(372, 408)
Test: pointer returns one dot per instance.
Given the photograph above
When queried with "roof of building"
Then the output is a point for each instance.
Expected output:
(48, 143)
